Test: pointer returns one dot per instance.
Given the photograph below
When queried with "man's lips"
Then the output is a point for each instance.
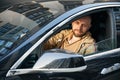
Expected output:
(76, 30)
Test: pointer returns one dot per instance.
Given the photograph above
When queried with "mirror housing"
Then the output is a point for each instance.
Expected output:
(57, 60)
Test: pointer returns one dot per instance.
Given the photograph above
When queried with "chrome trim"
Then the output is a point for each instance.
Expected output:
(101, 54)
(47, 58)
(25, 71)
(59, 25)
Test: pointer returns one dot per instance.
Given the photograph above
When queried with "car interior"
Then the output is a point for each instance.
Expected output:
(101, 30)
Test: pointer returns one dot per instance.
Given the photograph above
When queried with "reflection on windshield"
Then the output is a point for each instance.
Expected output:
(40, 13)
(21, 21)
(24, 19)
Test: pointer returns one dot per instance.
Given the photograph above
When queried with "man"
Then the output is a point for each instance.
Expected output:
(77, 40)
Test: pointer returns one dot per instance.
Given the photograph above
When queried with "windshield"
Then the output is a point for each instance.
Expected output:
(21, 21)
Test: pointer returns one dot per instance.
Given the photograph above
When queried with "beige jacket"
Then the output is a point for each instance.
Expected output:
(83, 46)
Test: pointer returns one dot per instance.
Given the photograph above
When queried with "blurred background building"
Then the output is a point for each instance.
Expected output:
(4, 4)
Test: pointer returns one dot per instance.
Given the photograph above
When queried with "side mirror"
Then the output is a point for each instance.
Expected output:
(57, 60)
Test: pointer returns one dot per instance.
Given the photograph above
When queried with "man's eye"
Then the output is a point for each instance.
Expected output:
(84, 25)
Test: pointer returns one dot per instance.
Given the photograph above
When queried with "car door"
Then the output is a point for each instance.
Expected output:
(104, 58)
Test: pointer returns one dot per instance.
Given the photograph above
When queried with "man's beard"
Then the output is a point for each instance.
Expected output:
(78, 34)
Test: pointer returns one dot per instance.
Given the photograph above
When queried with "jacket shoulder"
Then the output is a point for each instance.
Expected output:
(66, 32)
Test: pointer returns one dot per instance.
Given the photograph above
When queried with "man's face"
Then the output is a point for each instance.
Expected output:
(81, 26)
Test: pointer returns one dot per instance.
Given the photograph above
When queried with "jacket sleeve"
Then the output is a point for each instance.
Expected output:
(56, 40)
(88, 46)
(90, 49)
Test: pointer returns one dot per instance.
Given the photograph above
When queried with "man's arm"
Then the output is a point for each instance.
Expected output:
(90, 49)
(56, 40)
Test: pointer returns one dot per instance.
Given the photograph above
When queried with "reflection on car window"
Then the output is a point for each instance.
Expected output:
(21, 21)
(105, 45)
(13, 29)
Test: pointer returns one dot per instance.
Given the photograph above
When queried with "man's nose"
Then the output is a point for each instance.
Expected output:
(80, 26)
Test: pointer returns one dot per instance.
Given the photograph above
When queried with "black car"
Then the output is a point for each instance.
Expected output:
(25, 27)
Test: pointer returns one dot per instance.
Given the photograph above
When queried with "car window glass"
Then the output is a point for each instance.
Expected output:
(102, 46)
(31, 58)
(9, 59)
(22, 20)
